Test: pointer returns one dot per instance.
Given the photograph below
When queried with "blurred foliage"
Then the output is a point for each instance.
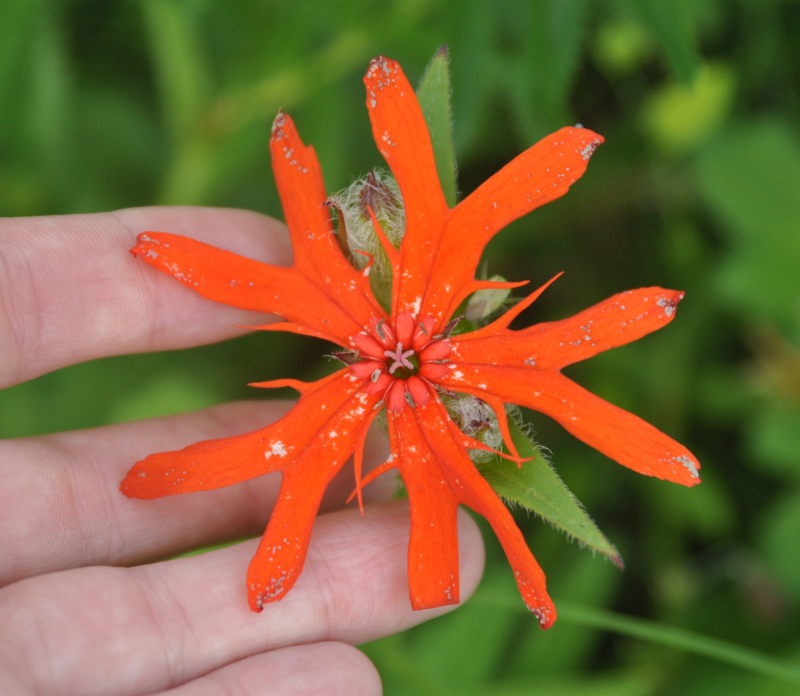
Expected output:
(107, 104)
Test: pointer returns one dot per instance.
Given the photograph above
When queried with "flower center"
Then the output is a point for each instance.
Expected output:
(405, 362)
(401, 360)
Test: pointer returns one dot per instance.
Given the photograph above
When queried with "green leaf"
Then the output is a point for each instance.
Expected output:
(434, 98)
(178, 64)
(536, 487)
(18, 28)
(774, 439)
(541, 77)
(180, 73)
(672, 25)
(779, 534)
(678, 117)
(749, 178)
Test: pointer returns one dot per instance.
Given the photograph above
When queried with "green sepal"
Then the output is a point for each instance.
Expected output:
(536, 486)
(434, 98)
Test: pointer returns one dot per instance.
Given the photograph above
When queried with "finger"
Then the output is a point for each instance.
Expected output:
(329, 668)
(150, 628)
(70, 291)
(63, 507)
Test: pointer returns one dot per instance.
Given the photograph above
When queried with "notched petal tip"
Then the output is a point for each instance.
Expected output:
(145, 244)
(382, 67)
(137, 485)
(681, 468)
(589, 148)
(586, 141)
(259, 594)
(280, 123)
(669, 301)
(545, 615)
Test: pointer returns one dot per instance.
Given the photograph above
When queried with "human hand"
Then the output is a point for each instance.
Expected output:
(74, 624)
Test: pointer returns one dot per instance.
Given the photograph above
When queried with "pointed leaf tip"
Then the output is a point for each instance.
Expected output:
(537, 487)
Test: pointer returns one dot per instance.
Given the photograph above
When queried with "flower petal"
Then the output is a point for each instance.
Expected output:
(618, 434)
(441, 475)
(433, 542)
(621, 319)
(235, 280)
(425, 287)
(321, 293)
(317, 253)
(401, 134)
(539, 175)
(321, 423)
(281, 554)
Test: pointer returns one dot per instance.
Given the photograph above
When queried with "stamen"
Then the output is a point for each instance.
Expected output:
(451, 325)
(348, 357)
(409, 399)
(379, 328)
(376, 375)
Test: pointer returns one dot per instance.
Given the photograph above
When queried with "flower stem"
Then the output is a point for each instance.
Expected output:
(679, 638)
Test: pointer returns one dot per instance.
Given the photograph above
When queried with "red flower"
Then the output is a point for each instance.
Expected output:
(406, 358)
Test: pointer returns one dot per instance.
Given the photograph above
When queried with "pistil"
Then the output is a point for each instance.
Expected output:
(400, 358)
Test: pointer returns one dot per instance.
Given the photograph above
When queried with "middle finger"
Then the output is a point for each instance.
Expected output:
(63, 508)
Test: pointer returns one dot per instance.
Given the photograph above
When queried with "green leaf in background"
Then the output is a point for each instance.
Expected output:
(678, 117)
(780, 532)
(749, 178)
(178, 65)
(622, 46)
(774, 439)
(671, 24)
(181, 76)
(539, 80)
(162, 395)
(536, 487)
(17, 27)
(434, 98)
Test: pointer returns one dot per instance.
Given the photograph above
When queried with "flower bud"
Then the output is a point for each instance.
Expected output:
(484, 303)
(378, 192)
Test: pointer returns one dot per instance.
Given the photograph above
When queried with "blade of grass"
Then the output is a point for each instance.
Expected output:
(670, 636)
(681, 639)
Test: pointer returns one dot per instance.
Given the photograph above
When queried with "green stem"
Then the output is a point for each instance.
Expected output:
(679, 638)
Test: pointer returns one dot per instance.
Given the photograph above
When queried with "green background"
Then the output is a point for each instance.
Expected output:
(110, 104)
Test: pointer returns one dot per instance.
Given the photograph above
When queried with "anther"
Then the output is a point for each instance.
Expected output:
(376, 375)
(451, 325)
(409, 399)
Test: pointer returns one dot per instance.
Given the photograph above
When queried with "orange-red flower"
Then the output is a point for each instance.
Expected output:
(405, 360)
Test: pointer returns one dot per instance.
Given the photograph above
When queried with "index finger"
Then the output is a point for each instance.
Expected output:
(70, 292)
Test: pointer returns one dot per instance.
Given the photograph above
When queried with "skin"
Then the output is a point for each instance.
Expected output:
(79, 612)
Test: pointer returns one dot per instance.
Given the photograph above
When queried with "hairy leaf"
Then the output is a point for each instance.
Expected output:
(536, 487)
